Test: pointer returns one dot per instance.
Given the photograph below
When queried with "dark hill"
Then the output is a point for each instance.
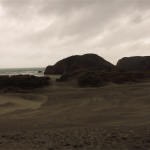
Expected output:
(79, 62)
(136, 63)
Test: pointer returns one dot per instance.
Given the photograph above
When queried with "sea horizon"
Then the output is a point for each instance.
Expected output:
(22, 71)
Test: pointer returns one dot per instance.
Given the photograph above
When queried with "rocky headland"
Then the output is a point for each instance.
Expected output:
(79, 62)
(92, 70)
(135, 63)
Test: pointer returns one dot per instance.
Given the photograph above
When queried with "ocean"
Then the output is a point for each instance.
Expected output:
(23, 71)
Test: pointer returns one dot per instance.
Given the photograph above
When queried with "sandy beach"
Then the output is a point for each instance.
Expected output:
(64, 116)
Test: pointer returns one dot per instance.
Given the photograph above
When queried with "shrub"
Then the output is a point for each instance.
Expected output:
(120, 79)
(142, 75)
(64, 77)
(85, 80)
(133, 78)
(128, 74)
(139, 75)
(102, 74)
(108, 79)
(23, 81)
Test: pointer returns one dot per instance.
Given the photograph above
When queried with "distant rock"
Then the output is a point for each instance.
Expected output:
(39, 71)
(135, 63)
(78, 62)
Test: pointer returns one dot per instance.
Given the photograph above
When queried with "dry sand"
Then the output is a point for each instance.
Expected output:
(12, 102)
(64, 116)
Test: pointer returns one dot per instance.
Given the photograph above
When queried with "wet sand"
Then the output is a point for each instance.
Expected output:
(69, 117)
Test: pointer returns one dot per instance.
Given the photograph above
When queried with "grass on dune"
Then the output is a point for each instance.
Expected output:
(25, 82)
(95, 77)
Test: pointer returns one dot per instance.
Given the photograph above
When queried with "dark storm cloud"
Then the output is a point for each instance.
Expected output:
(38, 29)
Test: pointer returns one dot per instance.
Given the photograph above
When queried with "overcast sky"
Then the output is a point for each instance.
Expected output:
(38, 33)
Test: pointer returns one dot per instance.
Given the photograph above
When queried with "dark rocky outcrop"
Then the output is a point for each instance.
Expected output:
(136, 63)
(79, 62)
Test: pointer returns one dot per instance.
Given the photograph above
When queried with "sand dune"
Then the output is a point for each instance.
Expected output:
(64, 116)
(12, 102)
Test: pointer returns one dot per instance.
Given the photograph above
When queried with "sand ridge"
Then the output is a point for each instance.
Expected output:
(14, 101)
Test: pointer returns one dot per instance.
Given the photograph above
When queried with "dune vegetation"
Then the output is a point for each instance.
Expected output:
(96, 77)
(24, 82)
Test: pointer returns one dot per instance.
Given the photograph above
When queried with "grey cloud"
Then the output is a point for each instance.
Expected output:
(51, 30)
(137, 19)
(90, 20)
(66, 7)
(18, 9)
(15, 3)
(127, 33)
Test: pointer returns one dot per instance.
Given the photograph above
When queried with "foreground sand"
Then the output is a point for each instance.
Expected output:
(110, 117)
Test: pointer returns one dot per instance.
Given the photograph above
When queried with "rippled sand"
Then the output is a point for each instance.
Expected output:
(12, 102)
